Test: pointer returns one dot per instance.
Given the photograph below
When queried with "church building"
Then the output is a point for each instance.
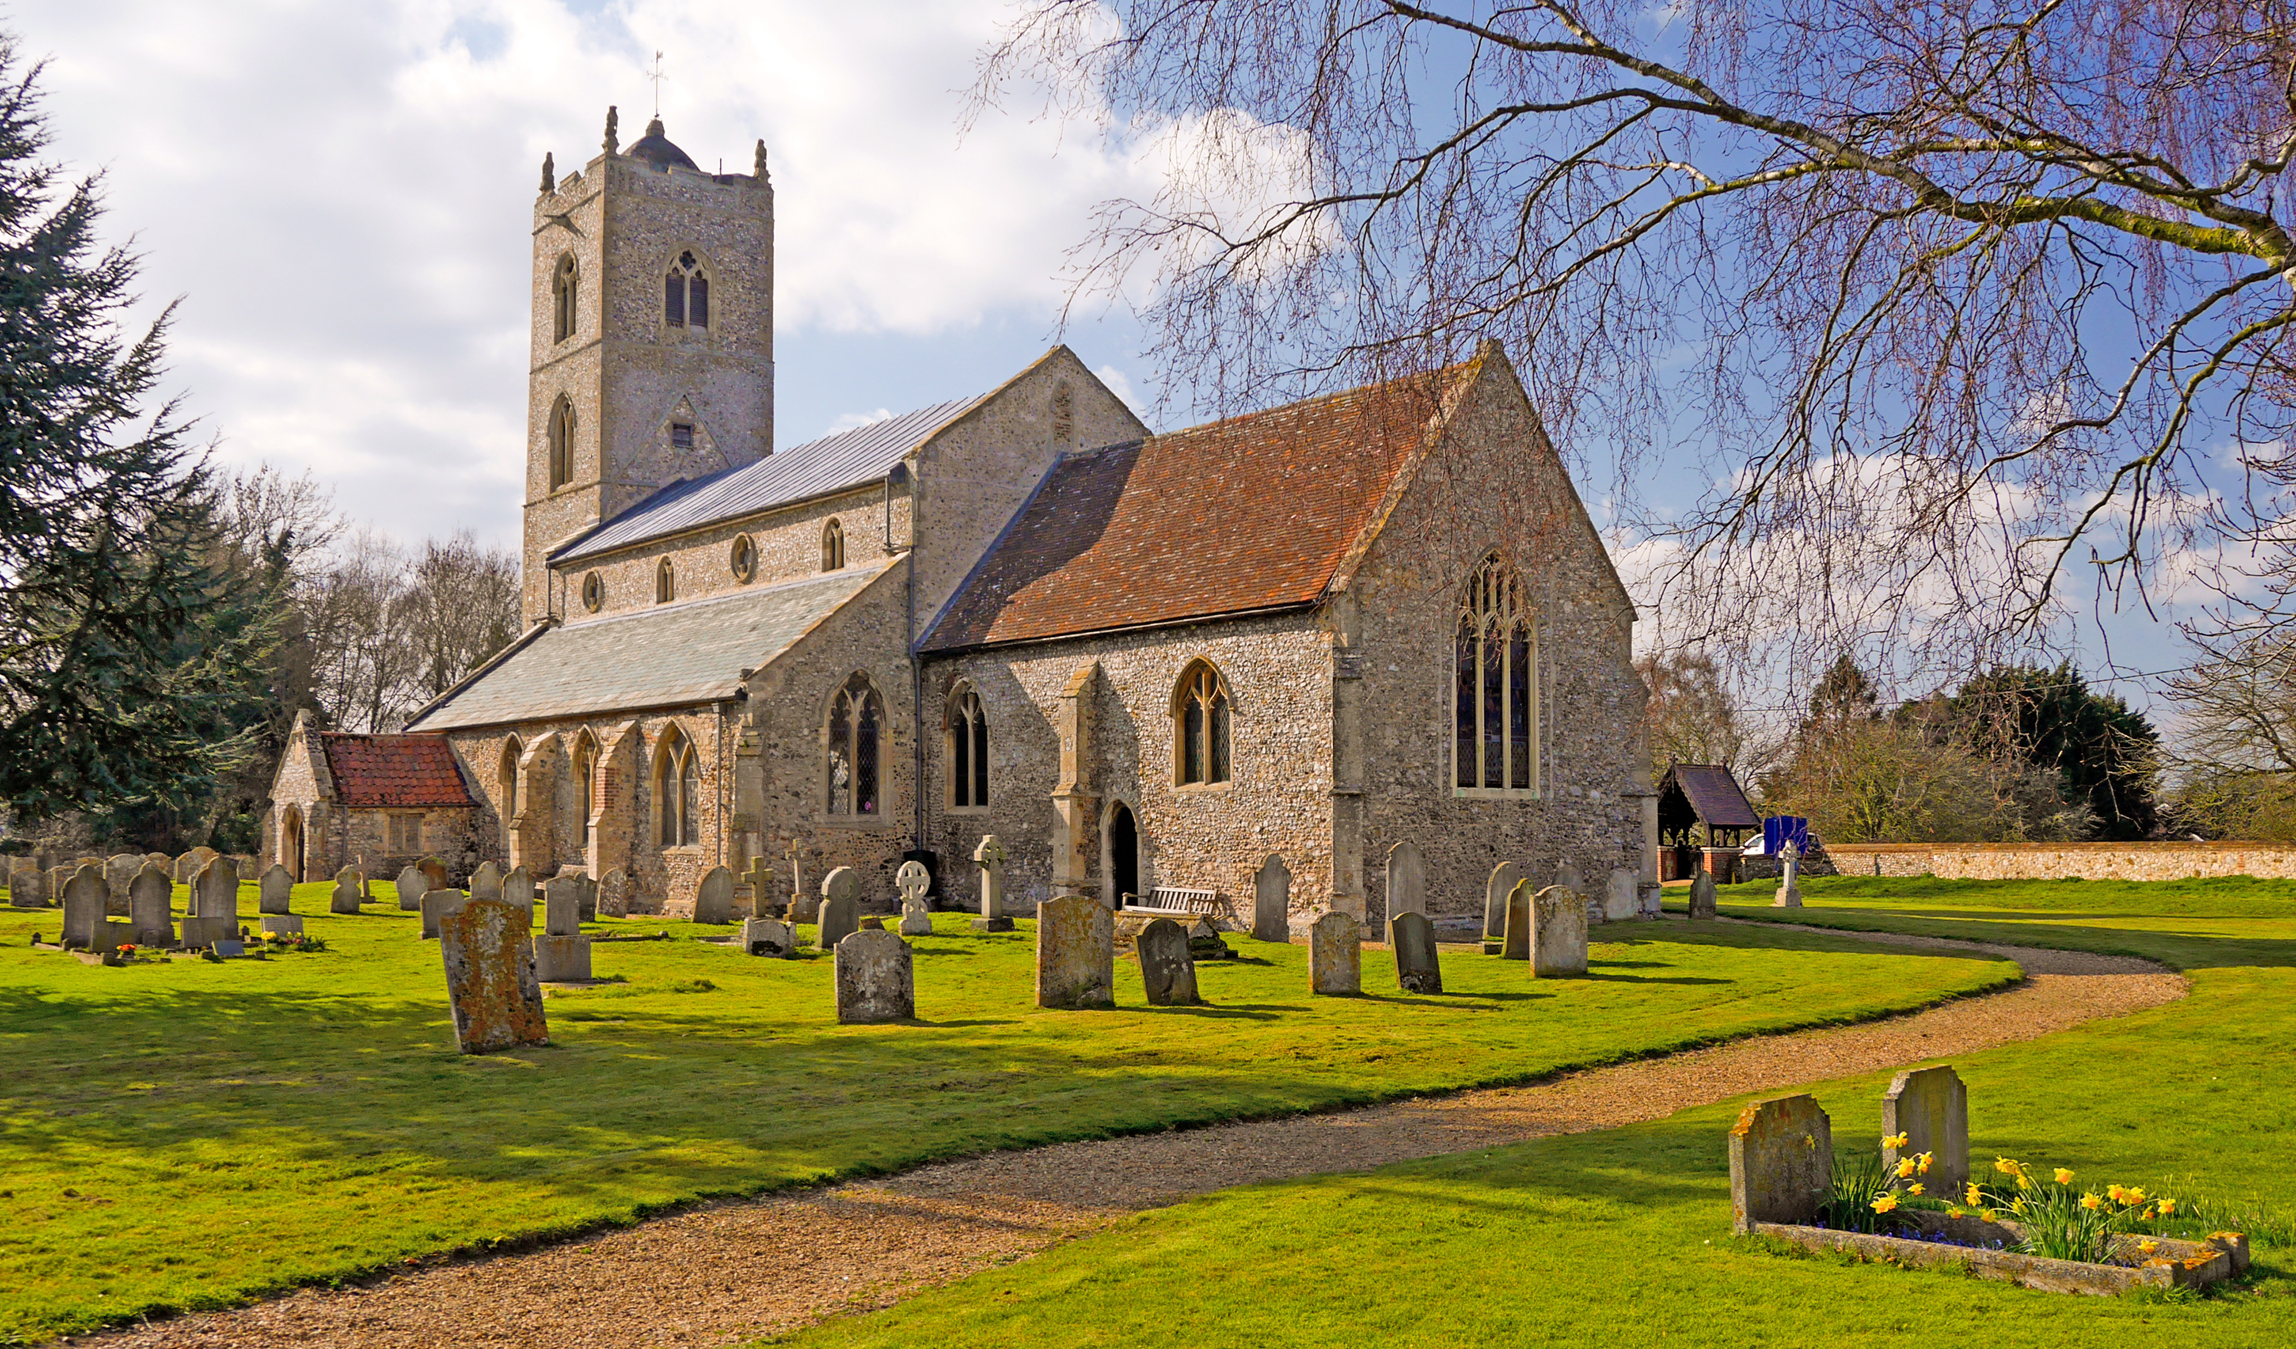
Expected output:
(1141, 661)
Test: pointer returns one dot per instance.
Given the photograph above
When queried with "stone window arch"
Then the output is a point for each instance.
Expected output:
(1494, 687)
(743, 560)
(506, 779)
(853, 769)
(564, 286)
(968, 749)
(832, 545)
(585, 785)
(677, 791)
(1202, 725)
(686, 292)
(560, 433)
(665, 582)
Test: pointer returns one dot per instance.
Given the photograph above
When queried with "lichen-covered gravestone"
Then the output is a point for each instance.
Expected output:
(436, 905)
(875, 979)
(486, 882)
(1335, 955)
(588, 899)
(275, 891)
(436, 871)
(840, 907)
(490, 978)
(413, 885)
(1271, 901)
(990, 856)
(1781, 1162)
(85, 899)
(350, 889)
(1406, 879)
(1075, 953)
(1930, 1107)
(1620, 900)
(1518, 939)
(713, 898)
(1167, 969)
(1417, 967)
(1567, 875)
(912, 880)
(767, 937)
(1504, 878)
(614, 894)
(150, 920)
(1558, 924)
(1702, 894)
(518, 892)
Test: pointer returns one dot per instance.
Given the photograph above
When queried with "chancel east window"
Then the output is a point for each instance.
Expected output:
(677, 791)
(1201, 717)
(1494, 687)
(968, 750)
(686, 294)
(855, 763)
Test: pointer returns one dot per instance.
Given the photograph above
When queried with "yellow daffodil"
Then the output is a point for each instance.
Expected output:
(1914, 1188)
(1974, 1197)
(2148, 1214)
(1884, 1204)
(1987, 1214)
(1922, 1162)
(2118, 1194)
(2167, 1206)
(1905, 1168)
(2024, 1182)
(2136, 1194)
(2090, 1202)
(2064, 1176)
(2147, 1247)
(1894, 1140)
(2005, 1166)
(1954, 1212)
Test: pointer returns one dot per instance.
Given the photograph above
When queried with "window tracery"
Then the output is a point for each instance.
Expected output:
(686, 293)
(1494, 687)
(855, 767)
(968, 749)
(1202, 716)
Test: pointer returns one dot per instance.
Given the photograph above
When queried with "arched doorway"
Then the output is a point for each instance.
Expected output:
(291, 843)
(1123, 852)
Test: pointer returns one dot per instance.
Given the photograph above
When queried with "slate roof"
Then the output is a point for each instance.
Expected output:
(1250, 514)
(393, 770)
(670, 655)
(817, 468)
(655, 148)
(1714, 793)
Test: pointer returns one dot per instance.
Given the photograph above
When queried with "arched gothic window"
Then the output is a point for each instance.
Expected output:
(561, 433)
(1201, 717)
(585, 786)
(562, 291)
(855, 766)
(1494, 686)
(686, 294)
(968, 749)
(677, 791)
(506, 782)
(665, 583)
(832, 546)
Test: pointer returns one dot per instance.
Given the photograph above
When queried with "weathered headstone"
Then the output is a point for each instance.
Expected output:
(281, 925)
(913, 880)
(490, 978)
(413, 885)
(991, 857)
(561, 907)
(1702, 894)
(28, 889)
(350, 889)
(1620, 900)
(759, 878)
(215, 891)
(1167, 968)
(1558, 924)
(1335, 955)
(1075, 953)
(840, 913)
(713, 898)
(561, 960)
(614, 894)
(1789, 892)
(518, 888)
(1518, 935)
(274, 892)
(436, 905)
(876, 981)
(119, 873)
(1406, 879)
(1781, 1162)
(85, 900)
(436, 870)
(58, 878)
(149, 916)
(1271, 901)
(229, 948)
(1930, 1107)
(767, 937)
(1417, 968)
(486, 882)
(587, 899)
(804, 904)
(1567, 874)
(1504, 878)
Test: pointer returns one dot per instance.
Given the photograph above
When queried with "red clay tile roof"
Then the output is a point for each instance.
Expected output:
(1249, 514)
(394, 770)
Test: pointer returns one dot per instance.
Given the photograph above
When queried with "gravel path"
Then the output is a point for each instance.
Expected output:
(745, 1268)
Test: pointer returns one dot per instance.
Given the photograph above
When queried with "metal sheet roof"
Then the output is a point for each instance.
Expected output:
(667, 656)
(816, 468)
(1714, 793)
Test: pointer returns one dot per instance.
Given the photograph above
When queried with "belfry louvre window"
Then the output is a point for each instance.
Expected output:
(681, 435)
(686, 294)
(562, 293)
(856, 745)
(1201, 716)
(968, 750)
(1494, 695)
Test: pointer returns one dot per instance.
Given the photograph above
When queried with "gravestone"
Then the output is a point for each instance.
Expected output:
(119, 873)
(28, 889)
(1789, 892)
(875, 979)
(587, 900)
(413, 885)
(281, 925)
(1075, 953)
(230, 948)
(486, 882)
(991, 857)
(713, 898)
(1558, 925)
(759, 878)
(1495, 891)
(804, 904)
(186, 866)
(1781, 1162)
(350, 889)
(211, 914)
(85, 900)
(561, 907)
(58, 878)
(1930, 1107)
(1271, 901)
(912, 880)
(872, 923)
(1519, 935)
(1620, 900)
(561, 960)
(840, 912)
(1335, 955)
(274, 893)
(1167, 968)
(1406, 879)
(1702, 894)
(1567, 874)
(614, 894)
(150, 919)
(436, 870)
(767, 937)
(436, 905)
(1417, 968)
(490, 978)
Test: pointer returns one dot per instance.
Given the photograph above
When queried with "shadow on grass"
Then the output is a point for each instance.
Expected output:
(2179, 950)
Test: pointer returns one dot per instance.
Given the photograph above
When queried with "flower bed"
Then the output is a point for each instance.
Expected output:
(1986, 1250)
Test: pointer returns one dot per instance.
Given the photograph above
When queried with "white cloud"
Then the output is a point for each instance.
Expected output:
(854, 421)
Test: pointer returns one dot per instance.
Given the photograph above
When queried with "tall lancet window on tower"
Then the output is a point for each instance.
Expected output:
(686, 294)
(562, 292)
(561, 432)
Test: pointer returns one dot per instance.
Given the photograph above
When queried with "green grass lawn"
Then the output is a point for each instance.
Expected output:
(1621, 1238)
(189, 1135)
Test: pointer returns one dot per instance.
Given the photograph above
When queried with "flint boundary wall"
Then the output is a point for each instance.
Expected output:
(2060, 861)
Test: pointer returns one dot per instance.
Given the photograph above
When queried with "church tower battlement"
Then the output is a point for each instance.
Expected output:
(653, 337)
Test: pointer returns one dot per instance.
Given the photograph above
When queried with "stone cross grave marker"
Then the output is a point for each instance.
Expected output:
(437, 904)
(1335, 955)
(990, 855)
(1518, 938)
(1504, 878)
(1075, 953)
(1620, 897)
(490, 978)
(1167, 968)
(1781, 1162)
(767, 937)
(350, 889)
(1417, 968)
(486, 882)
(274, 891)
(85, 900)
(1789, 893)
(1558, 926)
(759, 878)
(913, 880)
(413, 885)
(150, 919)
(876, 981)
(840, 914)
(1406, 879)
(1702, 894)
(713, 898)
(28, 889)
(1930, 1107)
(1271, 901)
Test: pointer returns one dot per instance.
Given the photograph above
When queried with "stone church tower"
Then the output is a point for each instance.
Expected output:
(653, 338)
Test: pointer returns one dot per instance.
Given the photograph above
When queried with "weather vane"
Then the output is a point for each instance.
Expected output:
(657, 77)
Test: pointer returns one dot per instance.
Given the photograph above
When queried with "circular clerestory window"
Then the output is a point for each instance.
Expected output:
(744, 558)
(593, 592)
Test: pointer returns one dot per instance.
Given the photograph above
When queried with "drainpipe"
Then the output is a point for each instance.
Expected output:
(723, 773)
(899, 477)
